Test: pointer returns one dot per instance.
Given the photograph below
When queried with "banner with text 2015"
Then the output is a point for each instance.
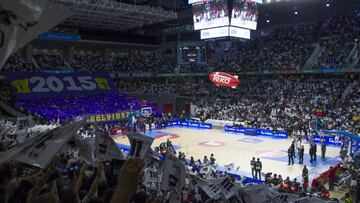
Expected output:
(35, 85)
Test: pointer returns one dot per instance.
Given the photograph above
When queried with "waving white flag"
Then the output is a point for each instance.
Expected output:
(41, 152)
(106, 148)
(23, 20)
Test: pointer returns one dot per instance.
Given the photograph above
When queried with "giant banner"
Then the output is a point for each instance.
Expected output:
(30, 85)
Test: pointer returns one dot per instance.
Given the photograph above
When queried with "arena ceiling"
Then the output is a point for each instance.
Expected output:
(114, 15)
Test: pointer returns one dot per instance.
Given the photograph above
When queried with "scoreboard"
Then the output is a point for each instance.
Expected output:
(191, 54)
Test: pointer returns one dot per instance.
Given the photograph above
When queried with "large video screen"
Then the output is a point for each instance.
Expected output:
(245, 14)
(210, 13)
(215, 32)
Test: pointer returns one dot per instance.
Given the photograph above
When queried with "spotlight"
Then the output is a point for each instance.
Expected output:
(327, 4)
(268, 1)
(268, 21)
(296, 13)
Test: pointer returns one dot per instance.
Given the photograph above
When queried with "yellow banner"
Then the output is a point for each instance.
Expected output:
(356, 118)
(109, 117)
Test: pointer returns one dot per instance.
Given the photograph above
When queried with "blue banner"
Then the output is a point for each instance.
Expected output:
(34, 85)
(329, 140)
(198, 125)
(59, 37)
(333, 70)
(257, 132)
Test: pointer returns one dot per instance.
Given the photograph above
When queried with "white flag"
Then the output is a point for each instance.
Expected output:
(23, 123)
(152, 178)
(106, 148)
(254, 193)
(86, 150)
(195, 181)
(140, 144)
(23, 20)
(220, 188)
(173, 176)
(40, 153)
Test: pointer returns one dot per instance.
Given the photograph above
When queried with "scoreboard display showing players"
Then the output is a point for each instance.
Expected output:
(244, 14)
(225, 18)
(210, 13)
(191, 54)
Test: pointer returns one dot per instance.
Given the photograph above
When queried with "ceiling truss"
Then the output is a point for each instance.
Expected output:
(113, 15)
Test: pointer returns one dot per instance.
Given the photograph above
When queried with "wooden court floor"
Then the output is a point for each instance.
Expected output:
(239, 149)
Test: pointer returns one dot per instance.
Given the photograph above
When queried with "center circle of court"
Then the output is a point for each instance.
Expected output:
(211, 144)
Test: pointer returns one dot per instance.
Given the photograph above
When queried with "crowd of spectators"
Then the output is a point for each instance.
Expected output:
(284, 105)
(338, 39)
(123, 63)
(50, 62)
(69, 178)
(275, 104)
(72, 108)
(334, 54)
(17, 64)
(269, 104)
(180, 87)
(287, 48)
(11, 136)
(5, 95)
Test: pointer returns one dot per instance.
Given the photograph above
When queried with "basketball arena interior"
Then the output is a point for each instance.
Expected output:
(179, 101)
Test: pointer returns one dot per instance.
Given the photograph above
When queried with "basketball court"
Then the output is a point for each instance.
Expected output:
(239, 149)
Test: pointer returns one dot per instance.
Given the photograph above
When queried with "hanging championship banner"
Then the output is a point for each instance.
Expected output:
(23, 20)
(35, 85)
